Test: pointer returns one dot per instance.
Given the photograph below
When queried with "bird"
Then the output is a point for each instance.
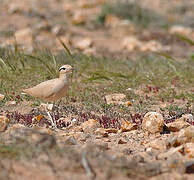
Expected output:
(52, 90)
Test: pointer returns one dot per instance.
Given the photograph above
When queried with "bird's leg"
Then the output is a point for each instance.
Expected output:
(52, 122)
(53, 111)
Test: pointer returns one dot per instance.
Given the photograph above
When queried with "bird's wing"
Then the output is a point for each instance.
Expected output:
(59, 85)
(45, 89)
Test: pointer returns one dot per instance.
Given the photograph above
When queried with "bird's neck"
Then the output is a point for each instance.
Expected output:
(64, 77)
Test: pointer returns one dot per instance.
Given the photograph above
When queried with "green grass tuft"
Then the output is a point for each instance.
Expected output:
(96, 77)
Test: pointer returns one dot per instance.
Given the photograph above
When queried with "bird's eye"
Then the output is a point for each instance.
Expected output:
(62, 69)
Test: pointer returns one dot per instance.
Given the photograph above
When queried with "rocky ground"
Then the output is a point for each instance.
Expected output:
(115, 123)
(88, 151)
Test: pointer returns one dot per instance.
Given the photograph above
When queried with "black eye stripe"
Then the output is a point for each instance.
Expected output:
(62, 69)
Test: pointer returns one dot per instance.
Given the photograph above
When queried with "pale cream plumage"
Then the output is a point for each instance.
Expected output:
(54, 89)
(50, 90)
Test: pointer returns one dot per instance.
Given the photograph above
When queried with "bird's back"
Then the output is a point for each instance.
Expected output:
(50, 90)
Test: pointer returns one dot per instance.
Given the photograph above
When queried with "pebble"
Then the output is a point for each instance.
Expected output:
(1, 97)
(90, 125)
(24, 36)
(153, 122)
(4, 121)
(128, 126)
(115, 98)
(177, 125)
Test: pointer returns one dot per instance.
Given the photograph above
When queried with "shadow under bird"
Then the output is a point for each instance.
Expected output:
(54, 89)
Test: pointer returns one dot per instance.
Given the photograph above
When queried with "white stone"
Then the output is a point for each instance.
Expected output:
(153, 122)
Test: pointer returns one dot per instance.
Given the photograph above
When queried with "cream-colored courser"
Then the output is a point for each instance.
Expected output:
(54, 89)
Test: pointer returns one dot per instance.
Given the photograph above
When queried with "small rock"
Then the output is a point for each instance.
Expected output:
(178, 29)
(65, 39)
(177, 125)
(153, 122)
(188, 118)
(10, 103)
(157, 144)
(112, 21)
(183, 136)
(44, 106)
(189, 165)
(129, 89)
(90, 51)
(79, 18)
(90, 125)
(122, 28)
(171, 141)
(107, 140)
(130, 43)
(24, 36)
(74, 120)
(189, 149)
(101, 131)
(58, 30)
(4, 121)
(42, 26)
(153, 46)
(83, 44)
(1, 97)
(111, 130)
(128, 126)
(122, 142)
(115, 98)
(149, 149)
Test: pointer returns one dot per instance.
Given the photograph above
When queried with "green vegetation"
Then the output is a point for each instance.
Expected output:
(96, 77)
(7, 151)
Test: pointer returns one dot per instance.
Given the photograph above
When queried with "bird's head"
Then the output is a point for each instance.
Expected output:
(65, 70)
